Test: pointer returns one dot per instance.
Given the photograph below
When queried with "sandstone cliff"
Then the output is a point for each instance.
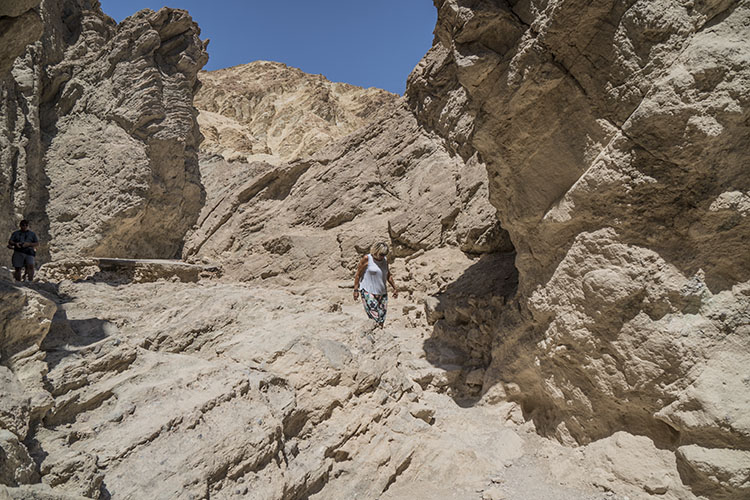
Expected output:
(389, 181)
(376, 175)
(616, 141)
(25, 315)
(267, 111)
(100, 138)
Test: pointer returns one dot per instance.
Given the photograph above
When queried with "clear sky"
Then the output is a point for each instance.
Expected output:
(370, 43)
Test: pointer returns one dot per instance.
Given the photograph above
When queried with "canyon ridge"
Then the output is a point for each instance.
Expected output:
(565, 190)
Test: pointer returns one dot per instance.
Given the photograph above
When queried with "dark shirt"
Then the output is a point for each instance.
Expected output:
(24, 237)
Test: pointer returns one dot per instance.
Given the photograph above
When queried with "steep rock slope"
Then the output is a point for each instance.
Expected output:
(388, 181)
(99, 142)
(271, 112)
(616, 140)
(236, 390)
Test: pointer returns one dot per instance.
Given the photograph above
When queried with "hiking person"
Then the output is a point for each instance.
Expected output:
(23, 242)
(370, 282)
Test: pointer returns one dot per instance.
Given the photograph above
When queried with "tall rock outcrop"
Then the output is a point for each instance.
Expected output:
(26, 315)
(268, 111)
(20, 25)
(616, 141)
(99, 137)
(375, 174)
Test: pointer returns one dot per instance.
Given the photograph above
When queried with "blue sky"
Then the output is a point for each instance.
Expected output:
(370, 43)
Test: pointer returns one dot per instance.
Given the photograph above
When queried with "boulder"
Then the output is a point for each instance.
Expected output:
(100, 143)
(615, 136)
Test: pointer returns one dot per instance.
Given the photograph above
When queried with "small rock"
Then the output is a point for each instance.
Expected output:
(475, 377)
(431, 309)
(422, 412)
(655, 487)
(493, 493)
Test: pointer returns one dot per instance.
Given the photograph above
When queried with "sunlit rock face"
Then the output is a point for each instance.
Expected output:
(99, 132)
(303, 174)
(389, 181)
(616, 136)
(268, 111)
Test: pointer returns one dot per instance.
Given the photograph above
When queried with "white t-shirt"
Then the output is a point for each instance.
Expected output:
(375, 277)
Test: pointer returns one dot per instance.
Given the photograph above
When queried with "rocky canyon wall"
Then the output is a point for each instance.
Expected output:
(99, 136)
(20, 25)
(26, 315)
(98, 148)
(616, 141)
(344, 167)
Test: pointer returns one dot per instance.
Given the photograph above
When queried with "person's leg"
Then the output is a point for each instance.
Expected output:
(18, 261)
(29, 265)
(30, 272)
(382, 309)
(367, 302)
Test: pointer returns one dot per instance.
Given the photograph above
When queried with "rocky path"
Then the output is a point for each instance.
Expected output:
(226, 390)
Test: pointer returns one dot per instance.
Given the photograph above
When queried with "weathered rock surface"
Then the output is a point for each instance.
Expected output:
(26, 319)
(615, 137)
(227, 390)
(388, 181)
(616, 140)
(99, 143)
(20, 25)
(268, 111)
(126, 270)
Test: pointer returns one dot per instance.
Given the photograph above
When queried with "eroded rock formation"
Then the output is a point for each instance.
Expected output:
(390, 180)
(20, 25)
(616, 139)
(100, 138)
(25, 316)
(267, 111)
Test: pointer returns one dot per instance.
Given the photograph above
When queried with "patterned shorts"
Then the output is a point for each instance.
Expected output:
(375, 305)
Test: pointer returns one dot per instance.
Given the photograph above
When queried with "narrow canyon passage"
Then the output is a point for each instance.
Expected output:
(564, 190)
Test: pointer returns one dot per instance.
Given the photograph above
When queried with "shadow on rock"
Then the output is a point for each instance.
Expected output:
(67, 336)
(465, 318)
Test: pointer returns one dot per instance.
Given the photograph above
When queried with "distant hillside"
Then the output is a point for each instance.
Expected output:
(269, 111)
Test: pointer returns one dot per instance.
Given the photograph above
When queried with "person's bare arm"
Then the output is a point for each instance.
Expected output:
(393, 284)
(360, 269)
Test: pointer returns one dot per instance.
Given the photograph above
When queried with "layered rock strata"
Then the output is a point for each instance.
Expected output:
(27, 317)
(100, 137)
(616, 141)
(389, 181)
(268, 111)
(237, 390)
